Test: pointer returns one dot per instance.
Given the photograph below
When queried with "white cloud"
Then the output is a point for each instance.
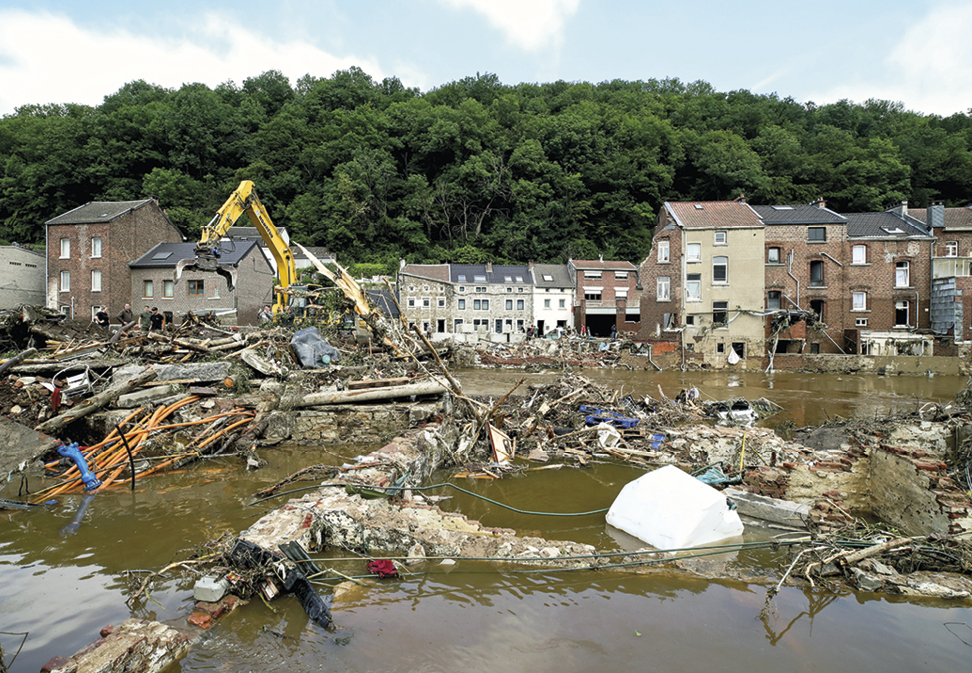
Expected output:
(46, 58)
(529, 24)
(929, 69)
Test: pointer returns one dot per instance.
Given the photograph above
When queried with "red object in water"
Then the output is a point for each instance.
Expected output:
(383, 568)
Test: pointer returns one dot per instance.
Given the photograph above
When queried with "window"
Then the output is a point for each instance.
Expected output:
(507, 279)
(485, 304)
(859, 301)
(774, 299)
(693, 252)
(425, 288)
(462, 288)
(196, 288)
(951, 248)
(664, 289)
(519, 289)
(592, 294)
(65, 248)
(95, 280)
(426, 302)
(509, 290)
(519, 304)
(620, 293)
(441, 302)
(817, 306)
(479, 279)
(548, 278)
(411, 303)
(462, 304)
(901, 317)
(477, 304)
(663, 252)
(96, 246)
(720, 312)
(563, 303)
(816, 273)
(168, 289)
(860, 322)
(509, 304)
(65, 281)
(461, 278)
(546, 303)
(720, 238)
(859, 254)
(457, 324)
(720, 348)
(739, 348)
(773, 255)
(693, 287)
(621, 275)
(690, 320)
(499, 326)
(592, 274)
(480, 288)
(816, 234)
(901, 274)
(148, 289)
(720, 270)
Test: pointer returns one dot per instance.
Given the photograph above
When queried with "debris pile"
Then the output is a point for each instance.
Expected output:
(565, 352)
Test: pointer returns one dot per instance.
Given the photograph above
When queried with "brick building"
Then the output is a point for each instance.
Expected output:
(89, 248)
(606, 294)
(153, 283)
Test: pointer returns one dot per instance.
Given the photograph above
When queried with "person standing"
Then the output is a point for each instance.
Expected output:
(145, 320)
(266, 315)
(158, 320)
(125, 316)
(101, 317)
(614, 331)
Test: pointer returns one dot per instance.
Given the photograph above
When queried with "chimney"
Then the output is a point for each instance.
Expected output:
(601, 257)
(530, 265)
(489, 267)
(741, 198)
(904, 209)
(819, 203)
(936, 215)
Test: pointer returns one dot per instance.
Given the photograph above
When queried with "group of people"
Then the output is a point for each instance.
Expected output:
(149, 320)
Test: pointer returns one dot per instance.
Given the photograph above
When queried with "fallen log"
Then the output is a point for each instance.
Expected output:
(17, 358)
(260, 364)
(369, 395)
(92, 404)
(376, 383)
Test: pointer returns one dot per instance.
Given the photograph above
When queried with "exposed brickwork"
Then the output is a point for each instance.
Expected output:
(123, 239)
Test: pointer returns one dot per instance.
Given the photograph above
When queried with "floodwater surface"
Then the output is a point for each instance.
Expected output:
(62, 587)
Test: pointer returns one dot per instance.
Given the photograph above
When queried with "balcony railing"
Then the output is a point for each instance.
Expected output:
(947, 267)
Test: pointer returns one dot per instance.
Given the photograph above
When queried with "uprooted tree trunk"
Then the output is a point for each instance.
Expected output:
(92, 404)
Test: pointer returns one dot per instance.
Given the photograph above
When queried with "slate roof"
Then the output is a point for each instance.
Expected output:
(497, 277)
(713, 214)
(251, 233)
(602, 265)
(558, 272)
(165, 255)
(439, 272)
(98, 211)
(384, 302)
(955, 218)
(882, 225)
(798, 214)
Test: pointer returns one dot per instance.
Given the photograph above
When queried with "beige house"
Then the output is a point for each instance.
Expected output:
(22, 273)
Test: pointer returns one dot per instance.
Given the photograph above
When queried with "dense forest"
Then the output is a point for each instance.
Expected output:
(472, 170)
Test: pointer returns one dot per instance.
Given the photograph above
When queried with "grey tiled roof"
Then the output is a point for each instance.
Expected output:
(166, 255)
(557, 272)
(498, 275)
(798, 214)
(97, 211)
(882, 225)
(955, 218)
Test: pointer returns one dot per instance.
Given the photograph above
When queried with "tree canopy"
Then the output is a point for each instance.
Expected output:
(471, 170)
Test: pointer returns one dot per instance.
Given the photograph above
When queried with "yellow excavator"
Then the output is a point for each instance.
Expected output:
(209, 249)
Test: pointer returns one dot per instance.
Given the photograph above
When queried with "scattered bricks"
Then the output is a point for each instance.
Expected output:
(201, 619)
(928, 466)
(945, 483)
(834, 495)
(107, 631)
(214, 610)
(829, 466)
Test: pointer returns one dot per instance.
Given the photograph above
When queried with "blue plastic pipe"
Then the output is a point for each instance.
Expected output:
(71, 451)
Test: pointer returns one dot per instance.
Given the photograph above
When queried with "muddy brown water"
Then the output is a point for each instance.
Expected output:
(62, 587)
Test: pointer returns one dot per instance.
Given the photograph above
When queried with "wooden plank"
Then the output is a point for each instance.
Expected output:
(376, 383)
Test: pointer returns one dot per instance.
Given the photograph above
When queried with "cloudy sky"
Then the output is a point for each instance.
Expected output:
(914, 51)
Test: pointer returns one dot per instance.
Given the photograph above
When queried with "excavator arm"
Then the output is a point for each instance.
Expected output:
(208, 250)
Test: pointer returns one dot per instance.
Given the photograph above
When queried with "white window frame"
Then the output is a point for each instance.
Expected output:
(779, 300)
(563, 303)
(951, 248)
(858, 301)
(906, 308)
(65, 281)
(720, 238)
(65, 248)
(96, 280)
(620, 275)
(621, 293)
(96, 247)
(663, 288)
(664, 252)
(461, 306)
(779, 255)
(546, 303)
(693, 288)
(717, 263)
(859, 254)
(902, 274)
(693, 252)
